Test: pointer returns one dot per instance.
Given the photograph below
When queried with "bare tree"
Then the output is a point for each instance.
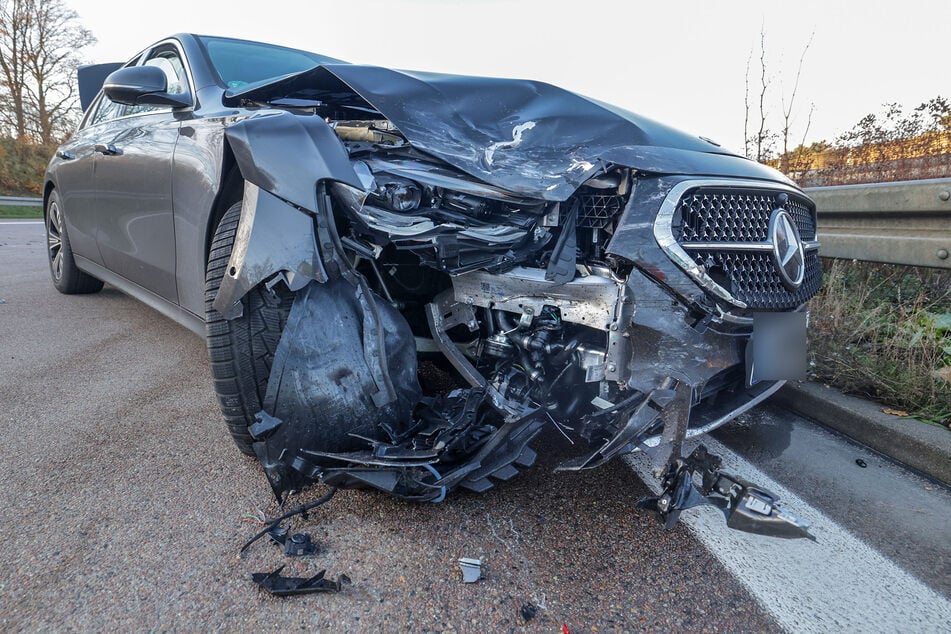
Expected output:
(759, 144)
(746, 106)
(806, 156)
(14, 29)
(788, 108)
(39, 54)
(762, 133)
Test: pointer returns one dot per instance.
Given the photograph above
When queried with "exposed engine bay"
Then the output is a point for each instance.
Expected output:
(565, 313)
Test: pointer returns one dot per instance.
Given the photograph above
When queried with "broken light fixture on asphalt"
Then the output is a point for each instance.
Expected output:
(747, 507)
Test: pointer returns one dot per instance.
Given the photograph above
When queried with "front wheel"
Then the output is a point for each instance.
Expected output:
(241, 350)
(67, 278)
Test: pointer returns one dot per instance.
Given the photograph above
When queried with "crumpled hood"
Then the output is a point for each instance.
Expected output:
(527, 137)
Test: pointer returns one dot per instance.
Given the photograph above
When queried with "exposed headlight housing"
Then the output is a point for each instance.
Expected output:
(397, 194)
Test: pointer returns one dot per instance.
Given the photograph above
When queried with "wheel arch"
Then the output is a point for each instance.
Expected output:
(230, 190)
(48, 188)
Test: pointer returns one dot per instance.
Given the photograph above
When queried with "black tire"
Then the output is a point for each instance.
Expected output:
(67, 278)
(241, 350)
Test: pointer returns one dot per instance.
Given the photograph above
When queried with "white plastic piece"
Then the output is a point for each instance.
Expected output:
(471, 569)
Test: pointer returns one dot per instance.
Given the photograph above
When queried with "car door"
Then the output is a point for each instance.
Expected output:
(74, 178)
(133, 179)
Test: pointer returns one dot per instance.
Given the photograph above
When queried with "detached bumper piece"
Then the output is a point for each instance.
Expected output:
(280, 586)
(747, 507)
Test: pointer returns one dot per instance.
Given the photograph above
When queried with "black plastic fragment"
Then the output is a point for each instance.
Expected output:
(280, 586)
(861, 463)
(278, 535)
(299, 545)
(528, 612)
(264, 426)
(640, 419)
(561, 268)
(470, 441)
(296, 545)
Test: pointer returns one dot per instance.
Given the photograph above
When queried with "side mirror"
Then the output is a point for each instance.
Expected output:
(142, 85)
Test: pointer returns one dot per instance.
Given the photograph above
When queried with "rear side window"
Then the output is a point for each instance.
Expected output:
(239, 62)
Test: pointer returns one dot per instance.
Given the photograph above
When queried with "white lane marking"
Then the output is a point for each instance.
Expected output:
(839, 584)
(24, 222)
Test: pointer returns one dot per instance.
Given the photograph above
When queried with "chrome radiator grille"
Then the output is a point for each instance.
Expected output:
(710, 215)
(753, 280)
(726, 232)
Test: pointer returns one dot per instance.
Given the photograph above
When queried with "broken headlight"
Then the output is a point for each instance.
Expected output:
(397, 194)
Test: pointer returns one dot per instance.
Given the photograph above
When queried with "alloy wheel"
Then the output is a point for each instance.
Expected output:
(54, 239)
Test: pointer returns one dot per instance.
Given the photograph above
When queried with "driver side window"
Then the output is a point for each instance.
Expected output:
(174, 71)
(106, 110)
(168, 60)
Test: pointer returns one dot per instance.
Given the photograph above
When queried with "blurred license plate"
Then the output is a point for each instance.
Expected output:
(777, 349)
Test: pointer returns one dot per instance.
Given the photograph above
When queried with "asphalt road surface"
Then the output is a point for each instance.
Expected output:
(124, 505)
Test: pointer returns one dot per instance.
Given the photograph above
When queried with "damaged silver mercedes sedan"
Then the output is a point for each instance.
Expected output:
(403, 277)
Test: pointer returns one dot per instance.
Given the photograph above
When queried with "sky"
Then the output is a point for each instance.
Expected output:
(682, 63)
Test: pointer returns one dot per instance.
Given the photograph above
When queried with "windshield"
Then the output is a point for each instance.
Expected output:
(239, 62)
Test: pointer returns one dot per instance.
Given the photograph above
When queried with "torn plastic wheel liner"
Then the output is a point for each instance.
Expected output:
(344, 371)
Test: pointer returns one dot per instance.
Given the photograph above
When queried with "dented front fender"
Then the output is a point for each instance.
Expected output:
(273, 238)
(287, 155)
(282, 158)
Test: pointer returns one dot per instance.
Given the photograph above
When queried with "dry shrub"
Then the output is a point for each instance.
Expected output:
(21, 167)
(884, 331)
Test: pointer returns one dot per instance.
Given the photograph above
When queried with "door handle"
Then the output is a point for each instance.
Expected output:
(66, 156)
(108, 150)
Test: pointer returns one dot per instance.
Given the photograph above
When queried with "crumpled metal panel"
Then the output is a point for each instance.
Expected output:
(272, 237)
(667, 345)
(287, 155)
(527, 137)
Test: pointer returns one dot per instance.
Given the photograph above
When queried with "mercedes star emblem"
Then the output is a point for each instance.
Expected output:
(788, 253)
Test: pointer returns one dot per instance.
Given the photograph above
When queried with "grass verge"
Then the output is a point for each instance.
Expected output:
(17, 211)
(884, 331)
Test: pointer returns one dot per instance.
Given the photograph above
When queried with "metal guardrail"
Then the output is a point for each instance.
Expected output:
(21, 201)
(906, 222)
